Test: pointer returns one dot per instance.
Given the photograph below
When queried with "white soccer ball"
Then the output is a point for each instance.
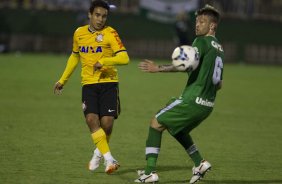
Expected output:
(185, 58)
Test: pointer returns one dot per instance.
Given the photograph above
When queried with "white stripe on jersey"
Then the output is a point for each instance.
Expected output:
(170, 106)
(153, 150)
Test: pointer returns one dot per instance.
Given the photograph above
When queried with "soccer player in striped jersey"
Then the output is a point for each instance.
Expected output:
(195, 104)
(98, 48)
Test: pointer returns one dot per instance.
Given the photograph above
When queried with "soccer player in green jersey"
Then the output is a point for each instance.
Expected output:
(182, 115)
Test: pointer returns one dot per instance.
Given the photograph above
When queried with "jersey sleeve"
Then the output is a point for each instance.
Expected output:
(120, 56)
(75, 47)
(70, 67)
(115, 42)
(200, 45)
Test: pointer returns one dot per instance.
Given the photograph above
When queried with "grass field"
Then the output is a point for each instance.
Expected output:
(44, 139)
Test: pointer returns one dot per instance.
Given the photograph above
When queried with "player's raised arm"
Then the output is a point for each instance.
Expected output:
(150, 66)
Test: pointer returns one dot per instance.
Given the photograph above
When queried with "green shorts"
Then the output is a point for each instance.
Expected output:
(179, 115)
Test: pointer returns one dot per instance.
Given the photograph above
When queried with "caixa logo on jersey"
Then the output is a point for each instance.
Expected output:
(90, 49)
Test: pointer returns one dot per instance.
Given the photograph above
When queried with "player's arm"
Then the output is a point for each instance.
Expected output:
(150, 66)
(70, 67)
(120, 58)
(120, 54)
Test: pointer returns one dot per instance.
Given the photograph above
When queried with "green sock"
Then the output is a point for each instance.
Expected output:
(153, 145)
(197, 158)
(186, 141)
(151, 165)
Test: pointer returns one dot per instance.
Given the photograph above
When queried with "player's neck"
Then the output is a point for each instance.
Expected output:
(91, 29)
(211, 34)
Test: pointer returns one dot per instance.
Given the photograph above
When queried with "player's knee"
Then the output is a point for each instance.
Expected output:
(107, 128)
(107, 124)
(156, 125)
(92, 119)
(89, 119)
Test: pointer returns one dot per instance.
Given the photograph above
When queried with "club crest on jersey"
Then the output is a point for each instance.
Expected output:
(99, 37)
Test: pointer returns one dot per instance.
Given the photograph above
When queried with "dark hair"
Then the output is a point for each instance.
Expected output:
(210, 11)
(98, 3)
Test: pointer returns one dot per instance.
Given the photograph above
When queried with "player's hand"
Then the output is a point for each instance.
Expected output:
(97, 66)
(58, 88)
(148, 66)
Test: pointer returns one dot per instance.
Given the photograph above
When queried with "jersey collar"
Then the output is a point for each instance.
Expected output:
(91, 30)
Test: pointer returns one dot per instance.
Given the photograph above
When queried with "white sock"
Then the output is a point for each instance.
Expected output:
(108, 156)
(97, 152)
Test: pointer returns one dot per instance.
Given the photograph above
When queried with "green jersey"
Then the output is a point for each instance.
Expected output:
(197, 100)
(203, 82)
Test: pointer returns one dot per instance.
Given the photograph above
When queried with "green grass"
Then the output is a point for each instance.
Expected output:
(44, 139)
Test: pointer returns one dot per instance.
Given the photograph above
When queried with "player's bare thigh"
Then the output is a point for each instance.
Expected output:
(107, 124)
(156, 125)
(93, 122)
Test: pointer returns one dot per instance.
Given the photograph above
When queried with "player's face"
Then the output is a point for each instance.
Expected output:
(98, 18)
(204, 26)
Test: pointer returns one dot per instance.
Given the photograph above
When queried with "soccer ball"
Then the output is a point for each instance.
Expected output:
(185, 58)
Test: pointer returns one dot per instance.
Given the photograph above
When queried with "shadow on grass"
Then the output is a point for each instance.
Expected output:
(204, 181)
(242, 181)
(226, 181)
(159, 169)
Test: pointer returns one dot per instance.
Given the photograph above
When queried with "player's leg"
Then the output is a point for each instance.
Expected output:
(95, 161)
(109, 106)
(186, 141)
(109, 109)
(91, 111)
(185, 118)
(153, 142)
(180, 118)
(107, 125)
(100, 140)
(153, 145)
(97, 155)
(201, 165)
(164, 119)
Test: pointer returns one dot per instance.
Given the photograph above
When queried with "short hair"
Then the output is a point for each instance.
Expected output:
(210, 11)
(99, 3)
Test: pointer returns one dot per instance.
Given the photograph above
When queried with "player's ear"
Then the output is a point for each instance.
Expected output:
(89, 15)
(212, 26)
